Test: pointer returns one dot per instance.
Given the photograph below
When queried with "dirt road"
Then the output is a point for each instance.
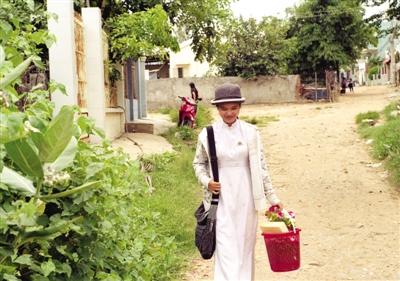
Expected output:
(321, 170)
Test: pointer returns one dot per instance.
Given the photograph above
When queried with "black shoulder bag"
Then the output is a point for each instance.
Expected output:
(206, 222)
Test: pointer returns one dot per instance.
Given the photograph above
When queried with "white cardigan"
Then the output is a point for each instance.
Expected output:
(260, 179)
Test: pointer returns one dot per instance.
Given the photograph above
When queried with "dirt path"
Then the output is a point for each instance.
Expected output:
(348, 213)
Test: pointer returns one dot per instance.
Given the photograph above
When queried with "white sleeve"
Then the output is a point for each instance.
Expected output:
(201, 165)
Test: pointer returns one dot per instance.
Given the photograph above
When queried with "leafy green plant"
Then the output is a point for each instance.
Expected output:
(68, 209)
(23, 32)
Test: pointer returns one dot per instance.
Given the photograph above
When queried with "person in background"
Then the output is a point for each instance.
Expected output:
(193, 91)
(351, 85)
(344, 86)
(244, 185)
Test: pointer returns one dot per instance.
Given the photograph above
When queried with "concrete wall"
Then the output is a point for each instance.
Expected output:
(163, 93)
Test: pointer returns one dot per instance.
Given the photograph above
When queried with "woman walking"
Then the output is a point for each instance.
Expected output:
(244, 186)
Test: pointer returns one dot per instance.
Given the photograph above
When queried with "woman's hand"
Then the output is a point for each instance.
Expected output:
(279, 207)
(214, 187)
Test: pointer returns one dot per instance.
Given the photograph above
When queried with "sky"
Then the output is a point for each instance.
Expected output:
(259, 8)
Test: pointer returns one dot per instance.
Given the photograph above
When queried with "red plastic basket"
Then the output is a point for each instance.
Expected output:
(283, 250)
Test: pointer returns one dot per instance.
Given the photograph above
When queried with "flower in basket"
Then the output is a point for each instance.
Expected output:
(288, 217)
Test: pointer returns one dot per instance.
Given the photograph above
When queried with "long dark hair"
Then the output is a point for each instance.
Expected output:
(193, 89)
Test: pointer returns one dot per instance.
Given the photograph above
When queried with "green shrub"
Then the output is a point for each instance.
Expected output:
(83, 228)
(69, 211)
(374, 70)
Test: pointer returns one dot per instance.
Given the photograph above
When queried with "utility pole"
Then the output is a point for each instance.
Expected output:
(392, 56)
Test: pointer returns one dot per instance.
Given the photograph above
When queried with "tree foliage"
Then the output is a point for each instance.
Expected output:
(141, 34)
(200, 20)
(23, 30)
(330, 34)
(255, 48)
(392, 13)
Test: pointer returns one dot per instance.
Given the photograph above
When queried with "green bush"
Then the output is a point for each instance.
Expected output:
(70, 211)
(374, 70)
(83, 221)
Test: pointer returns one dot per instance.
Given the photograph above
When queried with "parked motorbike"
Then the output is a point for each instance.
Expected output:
(187, 112)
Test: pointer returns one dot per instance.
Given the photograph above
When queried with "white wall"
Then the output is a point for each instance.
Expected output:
(94, 62)
(114, 126)
(361, 71)
(62, 53)
(63, 67)
(185, 59)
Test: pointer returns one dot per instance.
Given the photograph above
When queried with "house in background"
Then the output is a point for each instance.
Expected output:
(382, 51)
(183, 65)
(156, 69)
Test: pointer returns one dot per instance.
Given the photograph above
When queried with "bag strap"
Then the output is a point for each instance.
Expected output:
(213, 160)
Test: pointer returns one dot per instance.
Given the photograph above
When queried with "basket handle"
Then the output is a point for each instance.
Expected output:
(290, 218)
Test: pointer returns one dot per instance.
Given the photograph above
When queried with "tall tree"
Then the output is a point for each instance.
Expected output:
(254, 48)
(330, 34)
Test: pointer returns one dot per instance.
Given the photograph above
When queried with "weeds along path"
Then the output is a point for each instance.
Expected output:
(320, 168)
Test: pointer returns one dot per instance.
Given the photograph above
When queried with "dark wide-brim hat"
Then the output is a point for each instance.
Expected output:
(226, 93)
